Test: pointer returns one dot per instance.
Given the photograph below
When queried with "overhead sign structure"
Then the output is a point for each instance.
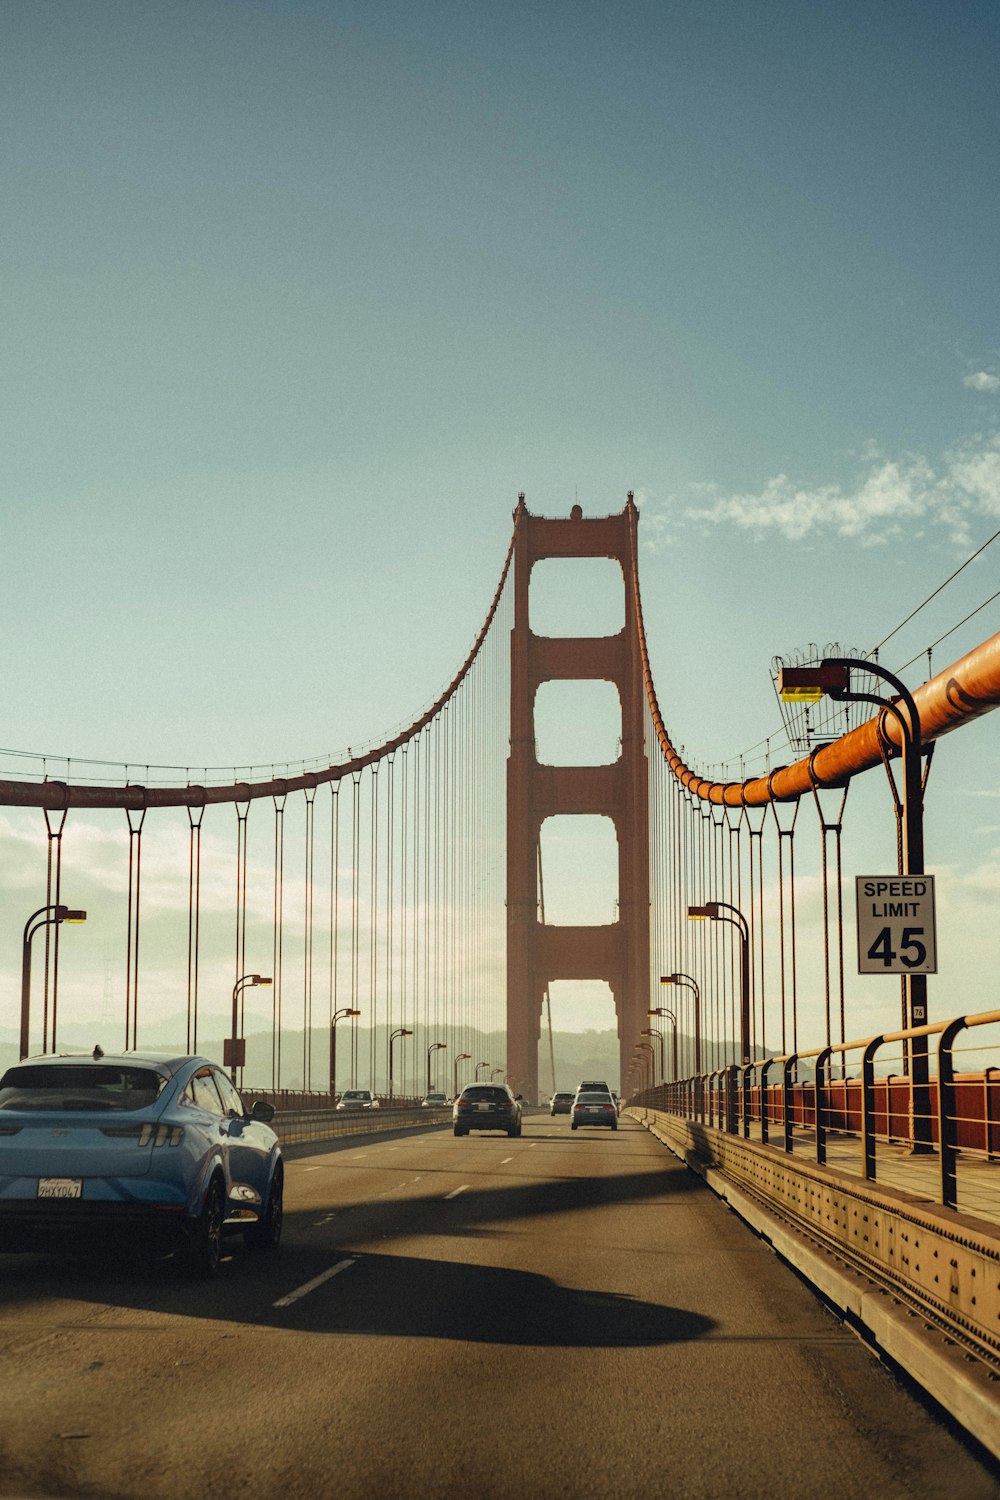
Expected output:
(897, 931)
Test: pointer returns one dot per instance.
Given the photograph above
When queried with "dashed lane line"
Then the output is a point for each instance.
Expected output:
(456, 1191)
(310, 1286)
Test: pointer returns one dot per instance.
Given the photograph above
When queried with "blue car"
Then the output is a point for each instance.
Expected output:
(140, 1144)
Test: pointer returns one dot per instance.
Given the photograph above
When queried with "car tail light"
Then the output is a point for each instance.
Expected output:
(576, 1107)
(146, 1135)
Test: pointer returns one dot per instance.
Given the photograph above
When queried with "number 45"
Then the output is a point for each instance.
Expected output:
(883, 950)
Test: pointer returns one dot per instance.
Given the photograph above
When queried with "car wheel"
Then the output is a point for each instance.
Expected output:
(614, 1127)
(206, 1247)
(460, 1132)
(572, 1127)
(266, 1233)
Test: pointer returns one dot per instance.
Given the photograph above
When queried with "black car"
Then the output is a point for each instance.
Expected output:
(486, 1106)
(561, 1104)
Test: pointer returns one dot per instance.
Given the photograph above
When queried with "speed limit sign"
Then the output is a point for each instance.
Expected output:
(897, 932)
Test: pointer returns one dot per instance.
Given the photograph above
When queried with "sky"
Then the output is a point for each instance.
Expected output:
(299, 296)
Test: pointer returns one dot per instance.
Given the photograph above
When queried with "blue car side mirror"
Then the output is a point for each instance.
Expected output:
(263, 1112)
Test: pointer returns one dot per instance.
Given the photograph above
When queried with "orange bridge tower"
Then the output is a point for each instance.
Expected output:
(619, 951)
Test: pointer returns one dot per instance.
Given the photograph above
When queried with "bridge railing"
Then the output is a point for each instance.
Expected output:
(939, 1140)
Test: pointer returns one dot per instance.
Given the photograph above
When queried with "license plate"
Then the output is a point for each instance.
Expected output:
(60, 1187)
(484, 1106)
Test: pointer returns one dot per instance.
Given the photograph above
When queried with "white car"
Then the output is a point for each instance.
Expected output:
(434, 1101)
(358, 1099)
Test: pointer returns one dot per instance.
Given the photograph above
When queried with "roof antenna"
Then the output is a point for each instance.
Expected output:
(97, 1053)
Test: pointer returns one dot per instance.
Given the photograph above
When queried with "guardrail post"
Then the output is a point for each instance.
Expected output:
(948, 1114)
(868, 1105)
(788, 1100)
(763, 1100)
(822, 1063)
(732, 1106)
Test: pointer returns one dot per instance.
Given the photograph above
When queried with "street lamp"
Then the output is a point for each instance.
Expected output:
(234, 1048)
(833, 675)
(434, 1047)
(338, 1015)
(481, 1065)
(495, 1072)
(717, 911)
(462, 1057)
(646, 1062)
(401, 1031)
(48, 916)
(651, 1032)
(664, 1010)
(690, 983)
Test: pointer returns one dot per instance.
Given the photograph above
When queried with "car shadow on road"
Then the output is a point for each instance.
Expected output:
(381, 1295)
(407, 1297)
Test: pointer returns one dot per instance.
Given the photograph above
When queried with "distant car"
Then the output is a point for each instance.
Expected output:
(486, 1106)
(357, 1099)
(136, 1145)
(560, 1104)
(594, 1108)
(434, 1101)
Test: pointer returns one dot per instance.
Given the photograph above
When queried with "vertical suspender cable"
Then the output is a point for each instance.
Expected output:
(307, 943)
(53, 897)
(277, 959)
(194, 922)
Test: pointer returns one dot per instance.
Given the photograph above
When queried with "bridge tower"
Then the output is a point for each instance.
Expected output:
(617, 952)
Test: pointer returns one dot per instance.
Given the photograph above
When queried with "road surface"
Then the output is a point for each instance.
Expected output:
(563, 1315)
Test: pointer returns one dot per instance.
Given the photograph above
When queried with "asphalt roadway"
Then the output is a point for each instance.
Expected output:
(563, 1315)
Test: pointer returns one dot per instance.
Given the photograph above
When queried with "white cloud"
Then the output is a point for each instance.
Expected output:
(890, 495)
(982, 381)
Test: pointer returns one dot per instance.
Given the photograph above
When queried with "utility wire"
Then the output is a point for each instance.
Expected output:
(951, 631)
(937, 591)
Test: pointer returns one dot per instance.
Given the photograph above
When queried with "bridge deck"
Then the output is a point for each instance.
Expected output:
(564, 1314)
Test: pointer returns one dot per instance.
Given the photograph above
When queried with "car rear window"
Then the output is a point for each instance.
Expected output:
(73, 1086)
(486, 1093)
(601, 1098)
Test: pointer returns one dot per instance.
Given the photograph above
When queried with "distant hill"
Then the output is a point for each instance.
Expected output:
(586, 1054)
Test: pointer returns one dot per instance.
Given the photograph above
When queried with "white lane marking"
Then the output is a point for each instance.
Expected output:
(506, 1160)
(312, 1169)
(414, 1179)
(389, 1191)
(456, 1192)
(311, 1286)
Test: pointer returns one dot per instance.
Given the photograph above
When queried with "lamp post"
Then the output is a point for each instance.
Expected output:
(717, 911)
(45, 916)
(481, 1065)
(495, 1072)
(399, 1031)
(338, 1015)
(664, 1010)
(235, 1046)
(647, 1062)
(434, 1047)
(462, 1057)
(651, 1031)
(688, 982)
(833, 676)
